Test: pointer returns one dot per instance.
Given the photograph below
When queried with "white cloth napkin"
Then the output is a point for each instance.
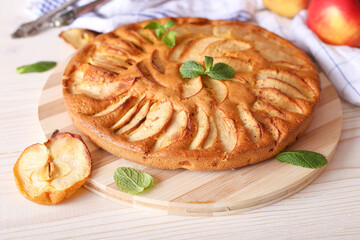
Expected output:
(340, 63)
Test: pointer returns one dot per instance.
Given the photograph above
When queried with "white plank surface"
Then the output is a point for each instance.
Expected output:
(329, 208)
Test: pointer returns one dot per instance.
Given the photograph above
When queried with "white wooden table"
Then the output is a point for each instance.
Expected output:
(329, 208)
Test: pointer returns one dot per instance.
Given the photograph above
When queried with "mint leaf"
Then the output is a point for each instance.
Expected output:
(159, 32)
(132, 181)
(169, 24)
(305, 159)
(169, 39)
(36, 67)
(208, 63)
(191, 69)
(154, 25)
(221, 71)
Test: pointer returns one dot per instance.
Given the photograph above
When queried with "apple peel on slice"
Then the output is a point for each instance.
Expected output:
(173, 132)
(136, 120)
(227, 130)
(202, 130)
(50, 172)
(218, 89)
(159, 115)
(191, 87)
(193, 49)
(212, 135)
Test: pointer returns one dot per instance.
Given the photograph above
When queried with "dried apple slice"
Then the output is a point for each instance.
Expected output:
(159, 115)
(78, 37)
(50, 172)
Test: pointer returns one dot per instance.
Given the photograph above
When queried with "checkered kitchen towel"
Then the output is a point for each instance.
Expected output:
(340, 63)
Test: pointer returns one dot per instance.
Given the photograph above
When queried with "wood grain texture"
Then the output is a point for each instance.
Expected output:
(183, 192)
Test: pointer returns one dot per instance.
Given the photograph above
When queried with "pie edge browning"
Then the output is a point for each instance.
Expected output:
(180, 159)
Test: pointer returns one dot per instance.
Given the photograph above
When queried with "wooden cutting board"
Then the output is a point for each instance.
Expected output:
(183, 192)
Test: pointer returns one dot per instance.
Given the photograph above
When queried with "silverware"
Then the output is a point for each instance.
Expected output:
(58, 17)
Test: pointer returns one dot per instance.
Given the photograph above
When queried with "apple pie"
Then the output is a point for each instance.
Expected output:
(125, 92)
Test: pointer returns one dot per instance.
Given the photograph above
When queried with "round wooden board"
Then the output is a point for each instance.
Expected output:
(184, 192)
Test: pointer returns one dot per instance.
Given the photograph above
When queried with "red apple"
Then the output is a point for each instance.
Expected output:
(335, 21)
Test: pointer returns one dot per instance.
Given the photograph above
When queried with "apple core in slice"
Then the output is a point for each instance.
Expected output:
(50, 172)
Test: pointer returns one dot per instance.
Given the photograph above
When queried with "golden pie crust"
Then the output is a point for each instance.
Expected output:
(125, 92)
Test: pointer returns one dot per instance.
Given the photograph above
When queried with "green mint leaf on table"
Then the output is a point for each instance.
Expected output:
(169, 39)
(305, 159)
(161, 31)
(191, 69)
(132, 181)
(36, 67)
(219, 71)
